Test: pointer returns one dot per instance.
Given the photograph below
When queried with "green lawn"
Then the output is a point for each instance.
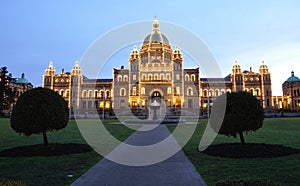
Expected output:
(55, 170)
(284, 170)
(49, 170)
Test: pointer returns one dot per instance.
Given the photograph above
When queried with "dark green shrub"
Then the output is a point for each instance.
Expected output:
(38, 111)
(243, 114)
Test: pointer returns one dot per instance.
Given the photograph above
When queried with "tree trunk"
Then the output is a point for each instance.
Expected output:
(45, 138)
(242, 138)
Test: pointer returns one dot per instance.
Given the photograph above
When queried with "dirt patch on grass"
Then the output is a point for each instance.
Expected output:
(56, 149)
(250, 150)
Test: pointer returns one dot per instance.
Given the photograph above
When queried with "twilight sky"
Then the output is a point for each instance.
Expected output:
(34, 32)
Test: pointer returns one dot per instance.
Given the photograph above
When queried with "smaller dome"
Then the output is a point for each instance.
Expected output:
(22, 80)
(236, 65)
(76, 66)
(293, 78)
(263, 65)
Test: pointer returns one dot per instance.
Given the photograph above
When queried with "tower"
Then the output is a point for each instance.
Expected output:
(237, 78)
(48, 77)
(75, 86)
(266, 86)
(134, 88)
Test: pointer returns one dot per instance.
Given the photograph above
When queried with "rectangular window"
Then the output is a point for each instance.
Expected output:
(177, 77)
(122, 103)
(90, 104)
(190, 103)
(177, 90)
(83, 104)
(134, 91)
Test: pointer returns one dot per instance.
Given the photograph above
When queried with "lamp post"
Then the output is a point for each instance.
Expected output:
(103, 109)
(208, 105)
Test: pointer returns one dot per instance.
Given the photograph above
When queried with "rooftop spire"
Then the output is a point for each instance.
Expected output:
(155, 25)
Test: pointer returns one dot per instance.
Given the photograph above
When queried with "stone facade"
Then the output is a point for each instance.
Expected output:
(155, 72)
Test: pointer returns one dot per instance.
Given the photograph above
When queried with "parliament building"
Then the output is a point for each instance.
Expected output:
(155, 72)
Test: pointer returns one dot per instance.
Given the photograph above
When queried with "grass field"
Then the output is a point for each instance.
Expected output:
(54, 170)
(49, 170)
(284, 170)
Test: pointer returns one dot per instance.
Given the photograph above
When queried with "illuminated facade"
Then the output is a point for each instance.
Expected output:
(291, 95)
(156, 70)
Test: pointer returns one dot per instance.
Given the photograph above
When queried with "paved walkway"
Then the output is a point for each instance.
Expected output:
(177, 170)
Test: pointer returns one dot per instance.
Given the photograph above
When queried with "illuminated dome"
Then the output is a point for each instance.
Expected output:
(156, 36)
(293, 78)
(236, 65)
(263, 65)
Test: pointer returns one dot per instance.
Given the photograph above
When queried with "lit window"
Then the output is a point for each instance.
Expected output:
(134, 91)
(143, 91)
(169, 90)
(177, 90)
(122, 92)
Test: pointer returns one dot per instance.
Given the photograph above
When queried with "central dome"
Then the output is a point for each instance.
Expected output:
(155, 36)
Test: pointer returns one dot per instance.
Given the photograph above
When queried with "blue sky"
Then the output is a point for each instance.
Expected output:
(34, 32)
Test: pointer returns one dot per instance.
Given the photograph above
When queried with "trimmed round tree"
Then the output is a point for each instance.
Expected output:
(243, 114)
(38, 111)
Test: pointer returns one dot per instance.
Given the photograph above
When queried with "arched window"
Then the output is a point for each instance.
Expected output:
(252, 91)
(122, 92)
(205, 93)
(228, 90)
(107, 94)
(84, 93)
(168, 77)
(149, 76)
(246, 90)
(169, 91)
(217, 93)
(189, 91)
(162, 76)
(223, 91)
(187, 77)
(211, 93)
(125, 78)
(90, 94)
(155, 76)
(144, 76)
(119, 78)
(193, 78)
(257, 92)
(96, 93)
(62, 93)
(143, 91)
